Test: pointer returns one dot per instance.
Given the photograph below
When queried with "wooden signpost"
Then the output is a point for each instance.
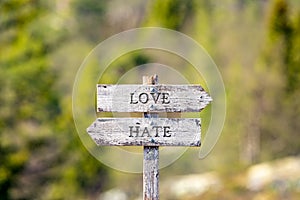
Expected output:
(150, 131)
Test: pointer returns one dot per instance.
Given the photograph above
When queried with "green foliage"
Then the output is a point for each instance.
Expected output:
(28, 99)
(282, 58)
(170, 14)
(285, 34)
(90, 14)
(256, 45)
(38, 158)
(123, 65)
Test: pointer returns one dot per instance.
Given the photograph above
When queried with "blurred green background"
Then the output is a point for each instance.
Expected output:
(255, 44)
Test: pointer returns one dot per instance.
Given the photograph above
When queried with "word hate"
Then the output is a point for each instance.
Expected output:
(137, 131)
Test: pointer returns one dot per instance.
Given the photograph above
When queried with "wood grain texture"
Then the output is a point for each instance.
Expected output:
(151, 157)
(146, 131)
(151, 173)
(151, 98)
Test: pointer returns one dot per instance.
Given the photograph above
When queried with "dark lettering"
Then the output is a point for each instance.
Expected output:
(165, 98)
(145, 99)
(146, 131)
(135, 130)
(131, 99)
(153, 96)
(156, 130)
(132, 131)
(167, 131)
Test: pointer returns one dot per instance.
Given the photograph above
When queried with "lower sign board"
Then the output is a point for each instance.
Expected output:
(146, 131)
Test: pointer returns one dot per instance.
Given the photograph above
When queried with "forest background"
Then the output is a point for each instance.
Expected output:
(255, 45)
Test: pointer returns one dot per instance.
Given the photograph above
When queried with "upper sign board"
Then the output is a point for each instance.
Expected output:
(151, 98)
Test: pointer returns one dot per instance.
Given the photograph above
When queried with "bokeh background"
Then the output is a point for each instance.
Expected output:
(255, 44)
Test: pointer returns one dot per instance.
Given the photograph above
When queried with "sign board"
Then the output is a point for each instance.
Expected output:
(151, 98)
(146, 132)
(150, 132)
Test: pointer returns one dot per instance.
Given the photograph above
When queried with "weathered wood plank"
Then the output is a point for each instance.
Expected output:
(146, 131)
(151, 98)
(151, 157)
(151, 173)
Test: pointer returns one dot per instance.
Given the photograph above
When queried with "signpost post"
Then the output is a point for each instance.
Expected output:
(151, 154)
(150, 131)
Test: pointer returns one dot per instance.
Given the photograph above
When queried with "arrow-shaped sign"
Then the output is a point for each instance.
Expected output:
(151, 98)
(146, 132)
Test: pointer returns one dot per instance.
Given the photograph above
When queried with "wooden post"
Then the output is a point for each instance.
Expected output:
(151, 156)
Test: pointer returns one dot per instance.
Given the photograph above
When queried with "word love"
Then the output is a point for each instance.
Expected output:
(155, 98)
(143, 98)
(154, 131)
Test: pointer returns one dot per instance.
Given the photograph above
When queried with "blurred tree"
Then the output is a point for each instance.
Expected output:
(90, 18)
(39, 155)
(284, 34)
(170, 14)
(281, 57)
(28, 100)
(261, 104)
